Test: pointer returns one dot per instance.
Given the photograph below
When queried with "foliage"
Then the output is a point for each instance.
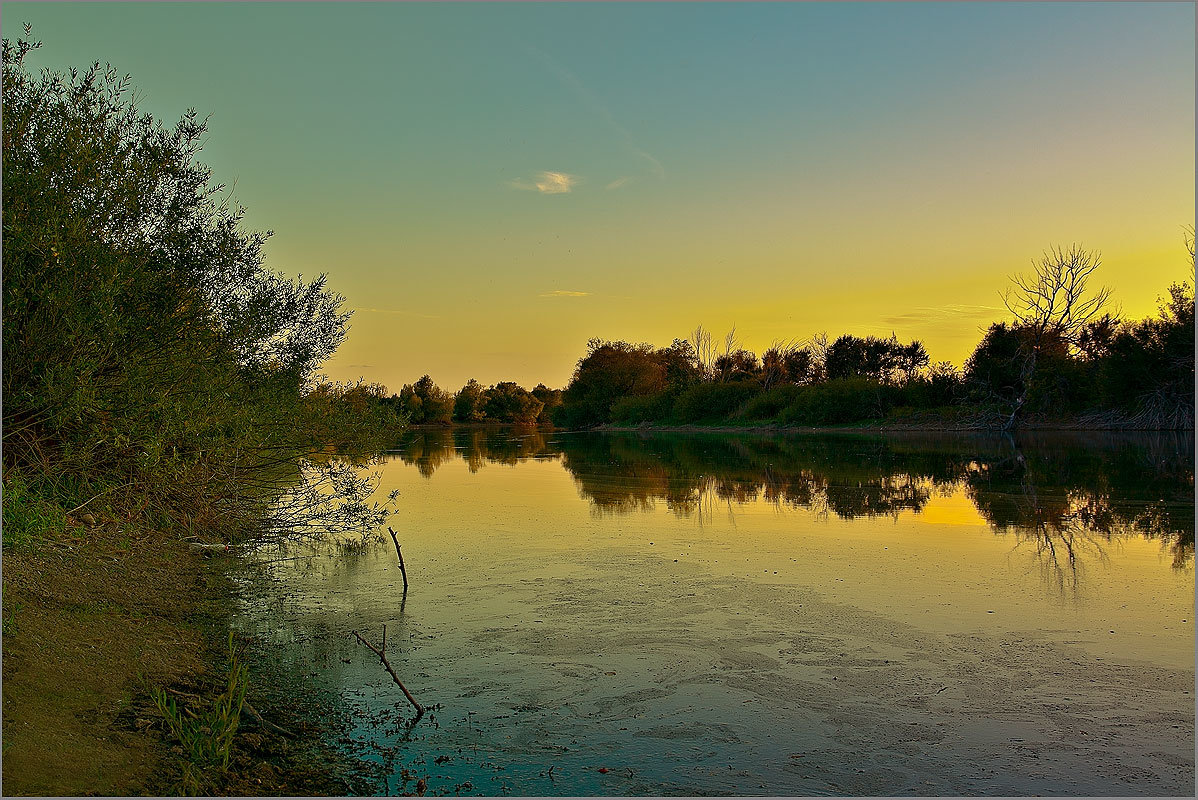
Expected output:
(710, 402)
(767, 405)
(1149, 370)
(608, 372)
(28, 517)
(874, 358)
(840, 401)
(468, 403)
(508, 402)
(206, 737)
(425, 402)
(644, 408)
(550, 400)
(145, 341)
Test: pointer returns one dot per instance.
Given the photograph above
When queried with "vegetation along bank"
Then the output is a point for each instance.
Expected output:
(1062, 359)
(161, 405)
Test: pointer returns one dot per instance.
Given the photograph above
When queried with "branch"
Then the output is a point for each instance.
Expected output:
(419, 708)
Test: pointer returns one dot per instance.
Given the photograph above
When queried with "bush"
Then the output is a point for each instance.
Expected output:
(840, 401)
(145, 340)
(646, 408)
(711, 402)
(767, 405)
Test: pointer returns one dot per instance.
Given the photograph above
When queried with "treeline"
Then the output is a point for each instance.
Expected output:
(1061, 359)
(423, 402)
(155, 370)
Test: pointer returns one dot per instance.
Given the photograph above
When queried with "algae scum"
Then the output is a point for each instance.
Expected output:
(716, 614)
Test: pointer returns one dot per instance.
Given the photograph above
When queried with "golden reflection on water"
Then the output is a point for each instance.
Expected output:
(822, 615)
(909, 536)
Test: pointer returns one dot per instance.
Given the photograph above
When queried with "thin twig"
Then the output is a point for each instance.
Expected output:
(419, 708)
(106, 491)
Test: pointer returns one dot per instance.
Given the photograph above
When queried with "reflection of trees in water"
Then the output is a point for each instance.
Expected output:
(620, 473)
(1064, 496)
(1068, 501)
(430, 449)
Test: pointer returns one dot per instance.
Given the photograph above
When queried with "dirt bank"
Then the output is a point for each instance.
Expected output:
(98, 617)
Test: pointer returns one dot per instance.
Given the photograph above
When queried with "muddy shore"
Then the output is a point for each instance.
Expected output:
(95, 620)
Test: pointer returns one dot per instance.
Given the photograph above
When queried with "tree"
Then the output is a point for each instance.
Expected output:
(145, 340)
(550, 400)
(468, 403)
(704, 349)
(508, 402)
(609, 371)
(1052, 306)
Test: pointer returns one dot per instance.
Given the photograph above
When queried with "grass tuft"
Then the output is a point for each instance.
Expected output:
(206, 738)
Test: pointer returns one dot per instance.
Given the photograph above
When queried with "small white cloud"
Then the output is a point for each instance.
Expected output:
(618, 182)
(563, 293)
(547, 183)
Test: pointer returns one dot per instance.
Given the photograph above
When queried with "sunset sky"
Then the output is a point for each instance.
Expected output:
(492, 185)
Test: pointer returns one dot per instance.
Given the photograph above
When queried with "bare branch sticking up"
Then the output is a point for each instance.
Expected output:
(419, 708)
(402, 569)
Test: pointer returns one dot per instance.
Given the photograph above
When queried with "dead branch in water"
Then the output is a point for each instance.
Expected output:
(419, 708)
(402, 570)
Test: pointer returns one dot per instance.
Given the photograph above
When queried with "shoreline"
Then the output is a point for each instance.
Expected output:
(773, 428)
(99, 617)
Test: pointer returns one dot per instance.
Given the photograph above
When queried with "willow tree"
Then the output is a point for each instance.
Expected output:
(146, 343)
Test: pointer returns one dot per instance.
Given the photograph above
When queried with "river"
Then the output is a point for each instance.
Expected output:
(695, 614)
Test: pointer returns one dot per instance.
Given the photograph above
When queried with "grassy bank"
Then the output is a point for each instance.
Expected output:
(99, 617)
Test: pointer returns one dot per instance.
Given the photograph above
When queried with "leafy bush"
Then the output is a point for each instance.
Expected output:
(767, 405)
(708, 402)
(145, 340)
(645, 408)
(840, 401)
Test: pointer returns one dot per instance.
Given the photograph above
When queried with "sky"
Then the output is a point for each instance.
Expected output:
(491, 185)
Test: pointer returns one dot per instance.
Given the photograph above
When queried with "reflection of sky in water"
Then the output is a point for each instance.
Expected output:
(722, 615)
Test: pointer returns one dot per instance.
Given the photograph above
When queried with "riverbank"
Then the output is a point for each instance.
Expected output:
(96, 618)
(978, 423)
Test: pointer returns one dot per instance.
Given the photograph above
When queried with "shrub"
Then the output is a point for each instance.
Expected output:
(767, 405)
(646, 408)
(840, 401)
(709, 402)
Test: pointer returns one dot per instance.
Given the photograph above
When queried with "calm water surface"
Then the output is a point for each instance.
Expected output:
(736, 614)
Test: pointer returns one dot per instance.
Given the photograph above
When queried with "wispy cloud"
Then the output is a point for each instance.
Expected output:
(563, 293)
(953, 311)
(547, 183)
(399, 313)
(571, 81)
(618, 182)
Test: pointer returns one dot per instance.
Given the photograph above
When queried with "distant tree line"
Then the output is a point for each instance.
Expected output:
(506, 402)
(1062, 357)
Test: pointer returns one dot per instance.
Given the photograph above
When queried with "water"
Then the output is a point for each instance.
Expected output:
(733, 614)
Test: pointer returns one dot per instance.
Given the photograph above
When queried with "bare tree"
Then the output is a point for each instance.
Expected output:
(1051, 305)
(704, 348)
(730, 347)
(818, 346)
(1052, 299)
